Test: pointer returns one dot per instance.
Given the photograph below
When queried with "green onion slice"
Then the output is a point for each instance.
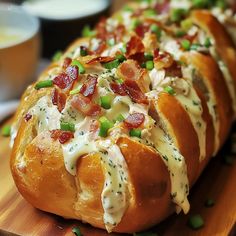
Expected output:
(76, 231)
(207, 43)
(196, 222)
(169, 90)
(79, 65)
(83, 52)
(87, 32)
(105, 125)
(120, 57)
(65, 126)
(135, 133)
(6, 130)
(44, 84)
(106, 102)
(57, 56)
(148, 56)
(186, 44)
(157, 30)
(112, 64)
(149, 65)
(120, 118)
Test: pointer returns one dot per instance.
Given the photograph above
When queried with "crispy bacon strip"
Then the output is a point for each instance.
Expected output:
(134, 120)
(174, 70)
(163, 7)
(58, 99)
(66, 63)
(85, 105)
(62, 136)
(129, 70)
(134, 92)
(88, 88)
(135, 49)
(162, 60)
(118, 89)
(100, 59)
(141, 30)
(72, 72)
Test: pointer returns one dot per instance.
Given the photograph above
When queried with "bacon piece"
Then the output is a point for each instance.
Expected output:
(118, 89)
(101, 47)
(89, 86)
(129, 70)
(66, 63)
(119, 33)
(134, 92)
(85, 106)
(162, 8)
(101, 29)
(174, 70)
(73, 72)
(134, 120)
(164, 60)
(135, 49)
(141, 30)
(62, 136)
(64, 80)
(27, 117)
(190, 38)
(100, 59)
(58, 99)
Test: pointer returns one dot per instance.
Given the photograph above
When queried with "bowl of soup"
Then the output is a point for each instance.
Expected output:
(62, 21)
(19, 50)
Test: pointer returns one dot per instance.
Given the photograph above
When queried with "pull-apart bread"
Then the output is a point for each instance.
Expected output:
(117, 130)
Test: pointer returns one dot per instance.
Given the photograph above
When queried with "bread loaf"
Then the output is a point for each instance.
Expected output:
(117, 130)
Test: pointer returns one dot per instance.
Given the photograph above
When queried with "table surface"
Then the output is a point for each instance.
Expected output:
(217, 182)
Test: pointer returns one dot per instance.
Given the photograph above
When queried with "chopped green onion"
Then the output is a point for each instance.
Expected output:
(120, 118)
(177, 14)
(123, 49)
(169, 90)
(83, 52)
(186, 44)
(180, 33)
(221, 4)
(157, 30)
(149, 65)
(143, 65)
(65, 126)
(112, 64)
(80, 66)
(44, 84)
(119, 81)
(111, 42)
(207, 43)
(150, 12)
(200, 3)
(106, 102)
(76, 231)
(148, 56)
(195, 46)
(128, 8)
(196, 222)
(134, 23)
(186, 24)
(105, 125)
(75, 91)
(87, 32)
(135, 133)
(120, 57)
(57, 56)
(6, 130)
(209, 202)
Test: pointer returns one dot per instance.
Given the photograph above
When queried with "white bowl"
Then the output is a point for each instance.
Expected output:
(19, 50)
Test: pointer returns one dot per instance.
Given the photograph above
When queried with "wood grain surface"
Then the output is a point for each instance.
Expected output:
(218, 182)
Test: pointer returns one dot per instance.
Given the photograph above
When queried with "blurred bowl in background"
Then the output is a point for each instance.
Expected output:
(62, 21)
(19, 50)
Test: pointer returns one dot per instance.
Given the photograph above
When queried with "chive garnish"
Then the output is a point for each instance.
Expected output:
(65, 126)
(105, 125)
(186, 44)
(120, 57)
(87, 32)
(76, 231)
(207, 43)
(156, 29)
(148, 56)
(79, 65)
(106, 102)
(149, 65)
(57, 56)
(196, 222)
(169, 90)
(135, 133)
(83, 51)
(44, 84)
(120, 118)
(6, 130)
(112, 64)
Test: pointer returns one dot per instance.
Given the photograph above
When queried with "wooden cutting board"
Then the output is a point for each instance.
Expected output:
(218, 182)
